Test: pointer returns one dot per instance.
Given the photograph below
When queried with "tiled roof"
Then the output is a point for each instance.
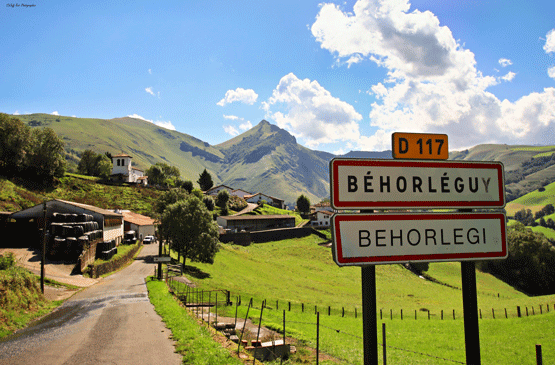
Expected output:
(138, 219)
(122, 155)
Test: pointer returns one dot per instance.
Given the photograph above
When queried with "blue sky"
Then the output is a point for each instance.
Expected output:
(339, 76)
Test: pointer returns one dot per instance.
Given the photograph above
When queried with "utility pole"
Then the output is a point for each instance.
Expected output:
(43, 258)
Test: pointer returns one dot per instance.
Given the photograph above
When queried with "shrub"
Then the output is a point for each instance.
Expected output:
(7, 261)
(209, 202)
(237, 203)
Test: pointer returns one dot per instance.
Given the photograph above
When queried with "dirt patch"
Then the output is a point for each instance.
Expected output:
(58, 293)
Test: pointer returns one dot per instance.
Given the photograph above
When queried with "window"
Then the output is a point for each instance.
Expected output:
(118, 161)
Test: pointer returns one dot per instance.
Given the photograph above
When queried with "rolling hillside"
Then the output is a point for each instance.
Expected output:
(265, 158)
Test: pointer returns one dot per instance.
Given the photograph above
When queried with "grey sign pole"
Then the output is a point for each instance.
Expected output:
(470, 308)
(369, 320)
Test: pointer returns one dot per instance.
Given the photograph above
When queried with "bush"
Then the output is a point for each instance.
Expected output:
(209, 202)
(7, 261)
(236, 203)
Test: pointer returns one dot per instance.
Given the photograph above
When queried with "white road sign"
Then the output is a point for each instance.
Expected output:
(403, 184)
(162, 259)
(385, 238)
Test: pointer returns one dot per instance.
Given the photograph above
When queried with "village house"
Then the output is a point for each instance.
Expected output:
(240, 193)
(258, 197)
(123, 171)
(321, 218)
(216, 189)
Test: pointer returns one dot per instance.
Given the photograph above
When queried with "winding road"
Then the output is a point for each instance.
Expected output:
(111, 322)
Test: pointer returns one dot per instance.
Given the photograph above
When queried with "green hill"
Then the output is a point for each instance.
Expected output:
(265, 158)
(15, 197)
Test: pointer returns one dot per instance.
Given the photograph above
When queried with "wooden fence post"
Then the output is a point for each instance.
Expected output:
(539, 360)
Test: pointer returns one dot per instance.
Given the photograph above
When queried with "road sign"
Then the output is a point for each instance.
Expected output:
(392, 184)
(386, 238)
(420, 146)
(162, 259)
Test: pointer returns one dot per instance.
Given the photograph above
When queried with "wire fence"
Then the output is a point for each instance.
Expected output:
(201, 302)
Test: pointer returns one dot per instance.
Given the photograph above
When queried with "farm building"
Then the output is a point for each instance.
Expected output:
(25, 226)
(255, 222)
(216, 189)
(258, 197)
(141, 224)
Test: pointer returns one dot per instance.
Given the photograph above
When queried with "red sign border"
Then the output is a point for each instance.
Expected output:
(359, 261)
(337, 204)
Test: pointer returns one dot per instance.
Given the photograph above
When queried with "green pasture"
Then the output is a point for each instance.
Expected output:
(534, 200)
(301, 272)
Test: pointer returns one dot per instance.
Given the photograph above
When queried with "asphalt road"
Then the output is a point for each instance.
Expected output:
(111, 322)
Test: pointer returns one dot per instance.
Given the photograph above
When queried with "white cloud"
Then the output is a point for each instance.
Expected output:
(245, 126)
(168, 125)
(164, 124)
(229, 129)
(149, 90)
(509, 76)
(55, 113)
(551, 72)
(310, 112)
(549, 46)
(505, 62)
(232, 117)
(432, 82)
(241, 95)
(16, 112)
(150, 71)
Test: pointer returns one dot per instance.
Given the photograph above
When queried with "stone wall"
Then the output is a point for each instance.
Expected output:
(266, 236)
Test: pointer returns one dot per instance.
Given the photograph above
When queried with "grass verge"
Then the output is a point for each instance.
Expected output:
(20, 300)
(194, 341)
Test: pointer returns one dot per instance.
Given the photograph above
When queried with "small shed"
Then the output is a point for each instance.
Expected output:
(141, 224)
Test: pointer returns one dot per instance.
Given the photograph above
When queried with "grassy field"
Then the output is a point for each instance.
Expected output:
(534, 200)
(194, 342)
(302, 272)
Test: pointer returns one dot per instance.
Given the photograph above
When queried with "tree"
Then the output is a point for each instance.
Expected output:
(303, 204)
(168, 198)
(163, 174)
(205, 181)
(15, 138)
(93, 164)
(193, 233)
(46, 157)
(187, 185)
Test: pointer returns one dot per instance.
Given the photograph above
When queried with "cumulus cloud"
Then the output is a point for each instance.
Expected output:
(505, 62)
(55, 113)
(549, 46)
(241, 95)
(232, 130)
(509, 76)
(16, 112)
(309, 111)
(160, 123)
(149, 90)
(551, 72)
(432, 82)
(229, 129)
(150, 71)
